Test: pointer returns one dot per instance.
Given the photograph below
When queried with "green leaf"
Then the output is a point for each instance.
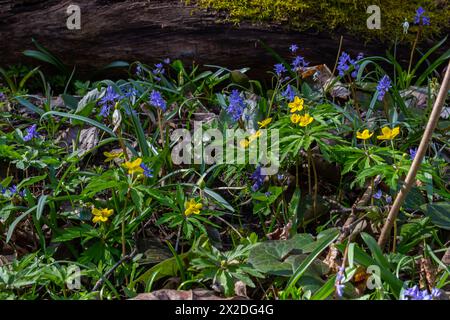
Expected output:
(278, 256)
(81, 118)
(40, 206)
(219, 199)
(323, 243)
(30, 106)
(16, 221)
(375, 250)
(30, 181)
(439, 212)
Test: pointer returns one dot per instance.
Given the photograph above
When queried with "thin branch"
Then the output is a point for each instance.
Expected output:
(410, 178)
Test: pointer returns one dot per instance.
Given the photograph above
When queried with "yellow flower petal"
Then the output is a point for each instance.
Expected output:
(296, 105)
(305, 120)
(265, 122)
(364, 135)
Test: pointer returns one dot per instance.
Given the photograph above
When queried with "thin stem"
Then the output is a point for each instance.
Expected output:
(410, 178)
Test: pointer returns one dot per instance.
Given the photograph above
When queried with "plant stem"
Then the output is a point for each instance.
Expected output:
(412, 53)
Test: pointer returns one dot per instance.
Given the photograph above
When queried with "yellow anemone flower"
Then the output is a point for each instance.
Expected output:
(134, 166)
(364, 135)
(295, 118)
(305, 120)
(101, 215)
(192, 207)
(388, 133)
(110, 156)
(265, 122)
(296, 105)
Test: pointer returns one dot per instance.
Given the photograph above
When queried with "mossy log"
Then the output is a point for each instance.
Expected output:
(147, 31)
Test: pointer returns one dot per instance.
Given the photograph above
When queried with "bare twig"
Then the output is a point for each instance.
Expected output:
(410, 178)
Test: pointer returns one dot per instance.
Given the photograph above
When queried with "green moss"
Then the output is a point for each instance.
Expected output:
(326, 15)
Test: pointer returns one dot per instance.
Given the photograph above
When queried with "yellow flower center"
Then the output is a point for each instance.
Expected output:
(192, 207)
(295, 118)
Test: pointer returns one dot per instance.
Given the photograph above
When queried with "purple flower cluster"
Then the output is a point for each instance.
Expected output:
(338, 284)
(108, 101)
(129, 91)
(158, 71)
(12, 191)
(279, 69)
(289, 93)
(139, 71)
(31, 133)
(236, 105)
(415, 293)
(148, 172)
(379, 194)
(345, 62)
(258, 179)
(420, 18)
(299, 63)
(383, 86)
(157, 100)
(2, 97)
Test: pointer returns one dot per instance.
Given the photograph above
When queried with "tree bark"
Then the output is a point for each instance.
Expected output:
(147, 31)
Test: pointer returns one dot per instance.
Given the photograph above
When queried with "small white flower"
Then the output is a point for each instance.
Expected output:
(116, 119)
(405, 25)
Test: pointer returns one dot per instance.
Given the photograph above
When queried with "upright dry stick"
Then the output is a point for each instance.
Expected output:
(410, 178)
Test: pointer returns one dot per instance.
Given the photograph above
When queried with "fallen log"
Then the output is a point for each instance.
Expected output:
(147, 31)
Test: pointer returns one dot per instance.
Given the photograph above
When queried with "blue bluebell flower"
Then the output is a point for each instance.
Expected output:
(167, 60)
(412, 153)
(257, 178)
(31, 133)
(279, 69)
(289, 93)
(157, 100)
(388, 199)
(158, 71)
(338, 283)
(129, 91)
(299, 63)
(293, 48)
(378, 195)
(383, 86)
(148, 172)
(415, 293)
(345, 62)
(268, 194)
(419, 17)
(108, 101)
(13, 189)
(343, 65)
(236, 105)
(356, 65)
(2, 96)
(2, 189)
